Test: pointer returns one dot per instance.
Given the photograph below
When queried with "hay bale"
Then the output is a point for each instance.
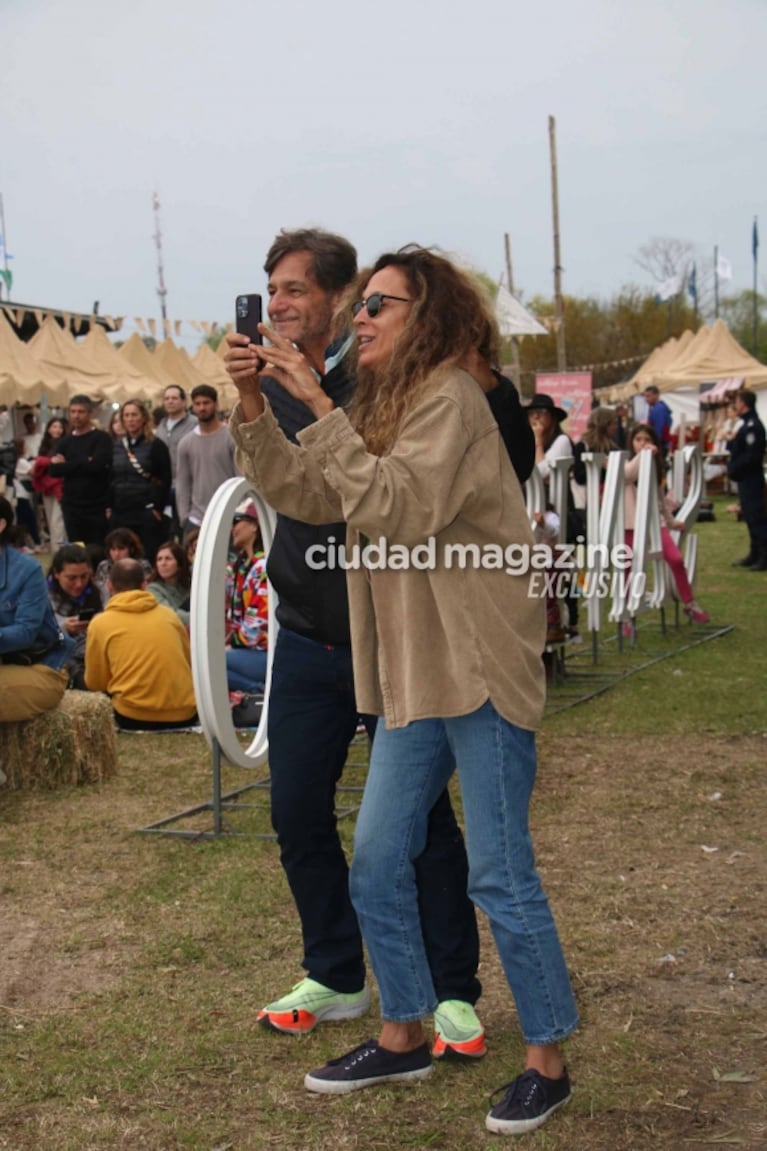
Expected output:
(73, 744)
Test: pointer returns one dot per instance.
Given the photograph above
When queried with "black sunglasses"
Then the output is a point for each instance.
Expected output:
(374, 303)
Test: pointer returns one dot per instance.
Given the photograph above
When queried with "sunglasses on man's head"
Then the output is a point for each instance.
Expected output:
(375, 302)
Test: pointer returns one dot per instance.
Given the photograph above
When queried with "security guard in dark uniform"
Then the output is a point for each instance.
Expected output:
(746, 467)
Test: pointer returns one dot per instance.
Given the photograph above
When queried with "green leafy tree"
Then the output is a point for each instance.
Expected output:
(609, 338)
(738, 313)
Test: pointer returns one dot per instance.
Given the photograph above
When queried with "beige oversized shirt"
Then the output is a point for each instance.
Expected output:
(428, 641)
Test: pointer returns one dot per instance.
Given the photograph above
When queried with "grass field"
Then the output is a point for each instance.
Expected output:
(133, 966)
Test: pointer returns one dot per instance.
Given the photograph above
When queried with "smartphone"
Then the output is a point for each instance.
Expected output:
(86, 613)
(249, 313)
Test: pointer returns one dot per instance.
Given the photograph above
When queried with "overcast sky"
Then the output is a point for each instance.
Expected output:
(388, 120)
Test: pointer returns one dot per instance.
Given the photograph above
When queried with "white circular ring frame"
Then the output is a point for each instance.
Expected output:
(207, 627)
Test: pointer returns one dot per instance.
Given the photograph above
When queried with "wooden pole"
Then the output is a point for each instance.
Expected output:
(716, 281)
(514, 341)
(559, 310)
(5, 250)
(755, 253)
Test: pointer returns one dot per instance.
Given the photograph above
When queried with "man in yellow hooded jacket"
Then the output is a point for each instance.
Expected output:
(138, 652)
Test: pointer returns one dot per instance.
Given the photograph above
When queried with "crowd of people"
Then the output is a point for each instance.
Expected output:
(108, 502)
(373, 411)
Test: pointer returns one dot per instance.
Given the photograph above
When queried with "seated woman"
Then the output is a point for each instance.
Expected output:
(33, 648)
(246, 605)
(171, 579)
(75, 600)
(120, 544)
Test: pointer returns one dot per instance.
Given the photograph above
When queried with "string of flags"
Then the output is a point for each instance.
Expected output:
(610, 364)
(174, 327)
(78, 322)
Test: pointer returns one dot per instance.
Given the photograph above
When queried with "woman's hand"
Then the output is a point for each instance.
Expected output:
(75, 626)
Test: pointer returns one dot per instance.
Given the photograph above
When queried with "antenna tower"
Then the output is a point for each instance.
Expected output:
(162, 291)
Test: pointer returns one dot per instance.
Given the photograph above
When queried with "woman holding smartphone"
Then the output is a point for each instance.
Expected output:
(448, 653)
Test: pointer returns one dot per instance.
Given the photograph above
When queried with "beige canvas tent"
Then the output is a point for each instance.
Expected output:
(128, 381)
(177, 363)
(212, 368)
(23, 379)
(135, 351)
(57, 350)
(711, 353)
(716, 357)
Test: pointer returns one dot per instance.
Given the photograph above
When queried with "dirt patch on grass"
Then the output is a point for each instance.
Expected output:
(133, 967)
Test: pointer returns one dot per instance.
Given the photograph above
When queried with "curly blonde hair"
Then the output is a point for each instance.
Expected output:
(450, 318)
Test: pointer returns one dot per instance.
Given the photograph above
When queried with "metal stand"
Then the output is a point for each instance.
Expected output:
(581, 684)
(230, 801)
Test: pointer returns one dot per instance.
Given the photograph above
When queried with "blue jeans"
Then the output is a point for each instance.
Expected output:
(312, 719)
(246, 669)
(496, 766)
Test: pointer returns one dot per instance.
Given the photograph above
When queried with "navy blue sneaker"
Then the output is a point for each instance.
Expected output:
(527, 1103)
(367, 1066)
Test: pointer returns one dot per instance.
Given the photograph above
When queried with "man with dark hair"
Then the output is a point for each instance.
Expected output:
(84, 459)
(746, 467)
(137, 650)
(334, 259)
(312, 709)
(204, 461)
(658, 416)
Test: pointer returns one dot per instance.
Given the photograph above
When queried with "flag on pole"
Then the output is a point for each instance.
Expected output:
(723, 268)
(671, 287)
(513, 318)
(755, 240)
(692, 285)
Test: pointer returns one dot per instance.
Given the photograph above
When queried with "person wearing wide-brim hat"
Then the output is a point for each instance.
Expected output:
(552, 443)
(543, 403)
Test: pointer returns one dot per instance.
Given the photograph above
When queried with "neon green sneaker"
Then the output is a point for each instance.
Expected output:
(458, 1031)
(308, 1004)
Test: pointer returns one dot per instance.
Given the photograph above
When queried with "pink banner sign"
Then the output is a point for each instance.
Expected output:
(572, 392)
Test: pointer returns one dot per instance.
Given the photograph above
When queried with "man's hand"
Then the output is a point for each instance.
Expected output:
(58, 459)
(243, 362)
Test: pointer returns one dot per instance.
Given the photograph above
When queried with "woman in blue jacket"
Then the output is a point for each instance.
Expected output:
(33, 649)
